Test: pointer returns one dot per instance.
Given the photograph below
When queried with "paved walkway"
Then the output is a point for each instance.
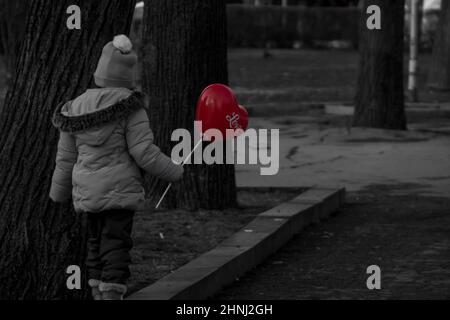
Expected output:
(408, 237)
(322, 151)
(397, 215)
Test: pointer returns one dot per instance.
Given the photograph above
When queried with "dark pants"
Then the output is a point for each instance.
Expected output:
(109, 245)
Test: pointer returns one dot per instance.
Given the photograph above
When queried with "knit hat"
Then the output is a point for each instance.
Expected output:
(116, 67)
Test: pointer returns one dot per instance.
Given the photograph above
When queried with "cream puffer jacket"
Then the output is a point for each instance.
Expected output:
(104, 139)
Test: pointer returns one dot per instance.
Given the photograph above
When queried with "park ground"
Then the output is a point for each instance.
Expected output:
(407, 236)
(397, 213)
(321, 148)
(299, 76)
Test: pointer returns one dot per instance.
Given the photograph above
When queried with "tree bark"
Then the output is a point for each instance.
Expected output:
(12, 28)
(185, 50)
(39, 239)
(439, 74)
(380, 88)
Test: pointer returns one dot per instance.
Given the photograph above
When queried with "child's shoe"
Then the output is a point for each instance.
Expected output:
(94, 284)
(112, 291)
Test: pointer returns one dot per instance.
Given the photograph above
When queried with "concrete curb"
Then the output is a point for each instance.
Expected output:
(203, 277)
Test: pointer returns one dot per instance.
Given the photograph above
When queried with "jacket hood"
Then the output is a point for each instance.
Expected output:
(92, 116)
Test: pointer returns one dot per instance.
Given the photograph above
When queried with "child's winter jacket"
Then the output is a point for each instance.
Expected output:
(104, 138)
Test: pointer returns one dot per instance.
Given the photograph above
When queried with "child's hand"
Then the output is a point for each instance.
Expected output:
(60, 200)
(179, 171)
(60, 195)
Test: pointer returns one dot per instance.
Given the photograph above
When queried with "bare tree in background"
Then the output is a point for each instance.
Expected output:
(38, 239)
(380, 89)
(439, 74)
(185, 50)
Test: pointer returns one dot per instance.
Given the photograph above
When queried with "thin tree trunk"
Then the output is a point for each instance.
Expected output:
(185, 50)
(380, 88)
(439, 74)
(38, 239)
(414, 44)
(421, 13)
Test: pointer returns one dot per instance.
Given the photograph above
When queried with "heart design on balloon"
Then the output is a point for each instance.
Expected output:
(217, 108)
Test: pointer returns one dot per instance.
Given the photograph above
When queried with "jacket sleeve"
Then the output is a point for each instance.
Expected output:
(147, 155)
(66, 158)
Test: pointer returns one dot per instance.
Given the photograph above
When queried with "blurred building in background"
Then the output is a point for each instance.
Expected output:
(430, 5)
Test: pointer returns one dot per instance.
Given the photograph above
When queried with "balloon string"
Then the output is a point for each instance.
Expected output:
(163, 196)
(192, 152)
(182, 164)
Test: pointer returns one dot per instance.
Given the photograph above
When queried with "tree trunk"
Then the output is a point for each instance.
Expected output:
(185, 50)
(38, 239)
(12, 28)
(380, 89)
(421, 14)
(439, 74)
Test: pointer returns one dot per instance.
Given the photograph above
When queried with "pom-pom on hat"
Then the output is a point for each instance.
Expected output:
(122, 43)
(116, 67)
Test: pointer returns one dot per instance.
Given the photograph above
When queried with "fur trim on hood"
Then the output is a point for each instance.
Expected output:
(118, 111)
(116, 287)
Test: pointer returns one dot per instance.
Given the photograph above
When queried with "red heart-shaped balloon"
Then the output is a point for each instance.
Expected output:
(218, 109)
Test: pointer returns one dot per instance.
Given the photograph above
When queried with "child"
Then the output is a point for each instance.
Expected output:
(104, 138)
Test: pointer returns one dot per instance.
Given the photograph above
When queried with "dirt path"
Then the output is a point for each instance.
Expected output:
(407, 236)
